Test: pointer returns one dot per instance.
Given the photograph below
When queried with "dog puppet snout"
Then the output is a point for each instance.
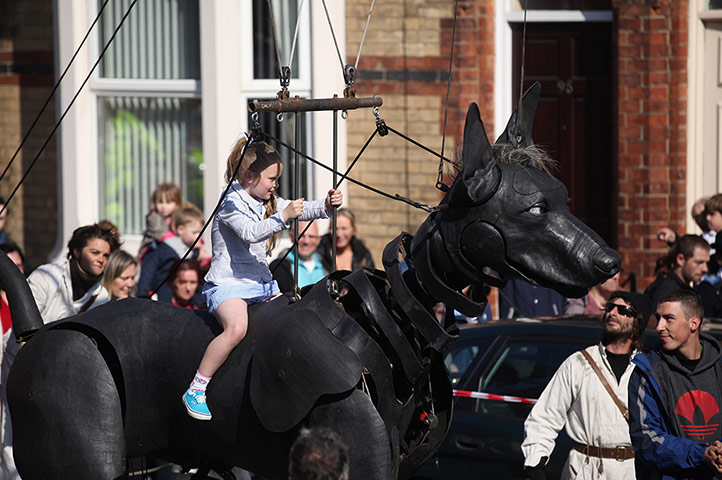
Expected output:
(607, 260)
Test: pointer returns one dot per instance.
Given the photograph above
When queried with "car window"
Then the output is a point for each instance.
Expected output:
(523, 369)
(462, 356)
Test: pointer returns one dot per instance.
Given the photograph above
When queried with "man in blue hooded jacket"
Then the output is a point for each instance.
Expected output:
(675, 393)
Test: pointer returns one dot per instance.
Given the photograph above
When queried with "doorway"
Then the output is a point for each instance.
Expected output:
(573, 123)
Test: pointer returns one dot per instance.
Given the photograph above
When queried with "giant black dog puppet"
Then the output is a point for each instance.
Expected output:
(88, 392)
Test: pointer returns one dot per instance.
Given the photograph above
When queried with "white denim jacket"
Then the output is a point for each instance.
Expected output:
(239, 235)
(53, 292)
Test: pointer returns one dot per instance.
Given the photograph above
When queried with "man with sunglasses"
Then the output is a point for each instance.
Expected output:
(675, 394)
(588, 395)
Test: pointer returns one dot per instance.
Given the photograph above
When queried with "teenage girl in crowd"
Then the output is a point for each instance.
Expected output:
(244, 232)
(73, 286)
(164, 201)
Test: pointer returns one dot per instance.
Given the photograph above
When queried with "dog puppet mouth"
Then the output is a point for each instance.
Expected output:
(568, 290)
(573, 279)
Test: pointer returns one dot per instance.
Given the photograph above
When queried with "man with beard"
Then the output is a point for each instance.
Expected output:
(675, 394)
(588, 395)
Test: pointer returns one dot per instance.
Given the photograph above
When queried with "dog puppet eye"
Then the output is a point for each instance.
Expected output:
(537, 209)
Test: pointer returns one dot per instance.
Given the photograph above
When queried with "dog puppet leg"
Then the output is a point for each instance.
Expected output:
(357, 422)
(68, 411)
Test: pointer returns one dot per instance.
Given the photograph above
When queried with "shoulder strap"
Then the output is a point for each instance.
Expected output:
(607, 387)
(88, 304)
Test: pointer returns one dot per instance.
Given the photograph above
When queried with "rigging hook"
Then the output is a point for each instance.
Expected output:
(285, 79)
(380, 124)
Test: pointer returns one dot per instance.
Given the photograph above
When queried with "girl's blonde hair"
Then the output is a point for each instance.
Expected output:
(258, 157)
(166, 191)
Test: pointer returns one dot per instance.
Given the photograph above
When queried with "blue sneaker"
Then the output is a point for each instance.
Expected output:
(195, 402)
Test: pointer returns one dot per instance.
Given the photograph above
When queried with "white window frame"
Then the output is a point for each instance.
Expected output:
(253, 88)
(130, 87)
(300, 81)
(224, 92)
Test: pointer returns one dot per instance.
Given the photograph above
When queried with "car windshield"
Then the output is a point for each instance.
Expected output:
(461, 357)
(523, 369)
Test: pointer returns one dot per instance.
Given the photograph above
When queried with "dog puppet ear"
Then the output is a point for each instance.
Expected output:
(518, 133)
(481, 175)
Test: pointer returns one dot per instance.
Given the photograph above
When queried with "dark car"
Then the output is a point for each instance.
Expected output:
(512, 359)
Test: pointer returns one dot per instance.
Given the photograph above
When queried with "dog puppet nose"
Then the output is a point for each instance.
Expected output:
(607, 260)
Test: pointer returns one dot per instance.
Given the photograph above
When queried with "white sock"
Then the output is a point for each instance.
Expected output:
(200, 382)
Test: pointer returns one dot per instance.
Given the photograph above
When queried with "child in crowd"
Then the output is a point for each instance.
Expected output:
(187, 223)
(713, 212)
(164, 202)
(244, 233)
(3, 220)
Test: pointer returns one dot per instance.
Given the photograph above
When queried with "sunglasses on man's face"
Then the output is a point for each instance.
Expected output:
(622, 309)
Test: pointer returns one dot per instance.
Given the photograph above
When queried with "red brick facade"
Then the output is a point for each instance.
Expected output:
(651, 107)
(413, 84)
(26, 80)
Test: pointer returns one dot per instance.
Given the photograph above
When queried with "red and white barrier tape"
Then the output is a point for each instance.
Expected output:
(492, 396)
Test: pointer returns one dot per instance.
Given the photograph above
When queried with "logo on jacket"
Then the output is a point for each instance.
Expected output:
(686, 406)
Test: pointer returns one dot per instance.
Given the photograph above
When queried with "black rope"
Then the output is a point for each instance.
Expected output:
(348, 170)
(67, 109)
(423, 147)
(425, 207)
(521, 79)
(257, 134)
(208, 222)
(440, 176)
(52, 93)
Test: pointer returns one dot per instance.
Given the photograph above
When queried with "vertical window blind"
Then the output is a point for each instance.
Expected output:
(145, 140)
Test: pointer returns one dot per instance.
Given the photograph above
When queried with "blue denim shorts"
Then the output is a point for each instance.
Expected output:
(258, 292)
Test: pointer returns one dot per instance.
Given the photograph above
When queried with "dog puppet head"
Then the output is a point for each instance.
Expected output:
(506, 216)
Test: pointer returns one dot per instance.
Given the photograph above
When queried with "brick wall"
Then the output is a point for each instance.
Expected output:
(651, 120)
(405, 59)
(26, 80)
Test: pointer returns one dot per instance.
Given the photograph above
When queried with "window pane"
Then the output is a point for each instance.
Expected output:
(523, 370)
(463, 355)
(145, 142)
(714, 4)
(563, 4)
(265, 63)
(159, 40)
(285, 131)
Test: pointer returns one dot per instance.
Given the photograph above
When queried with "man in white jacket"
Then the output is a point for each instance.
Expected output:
(577, 398)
